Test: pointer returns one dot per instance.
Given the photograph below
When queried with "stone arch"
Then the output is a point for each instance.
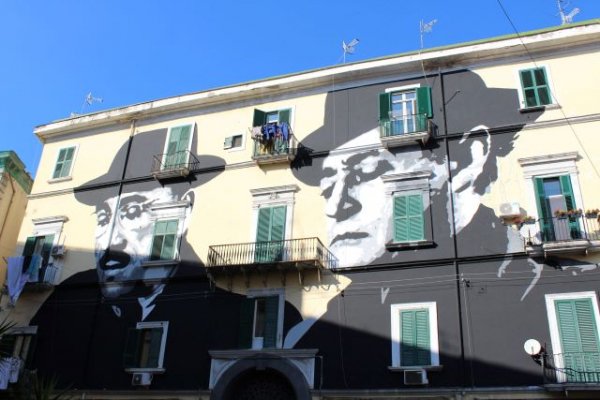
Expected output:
(261, 366)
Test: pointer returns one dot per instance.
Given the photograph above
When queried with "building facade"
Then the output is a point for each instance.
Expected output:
(420, 225)
(15, 185)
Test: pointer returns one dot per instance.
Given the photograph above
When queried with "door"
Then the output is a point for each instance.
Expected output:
(270, 234)
(177, 147)
(553, 194)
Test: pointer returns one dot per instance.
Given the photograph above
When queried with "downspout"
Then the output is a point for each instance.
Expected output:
(100, 299)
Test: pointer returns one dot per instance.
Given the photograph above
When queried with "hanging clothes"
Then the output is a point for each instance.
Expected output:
(285, 130)
(4, 373)
(34, 268)
(15, 369)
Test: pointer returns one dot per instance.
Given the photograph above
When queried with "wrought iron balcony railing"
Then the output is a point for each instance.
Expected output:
(570, 228)
(275, 149)
(405, 124)
(299, 252)
(571, 368)
(178, 164)
(45, 277)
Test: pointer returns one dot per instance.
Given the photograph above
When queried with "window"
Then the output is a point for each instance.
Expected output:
(573, 321)
(405, 110)
(414, 335)
(409, 198)
(37, 262)
(164, 241)
(270, 234)
(271, 117)
(261, 320)
(534, 83)
(553, 195)
(19, 343)
(145, 346)
(177, 147)
(64, 162)
(233, 142)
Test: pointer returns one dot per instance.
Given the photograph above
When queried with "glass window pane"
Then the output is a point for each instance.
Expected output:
(530, 99)
(540, 77)
(259, 317)
(552, 187)
(544, 96)
(526, 77)
(272, 117)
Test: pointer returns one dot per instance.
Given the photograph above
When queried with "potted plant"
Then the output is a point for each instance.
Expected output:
(528, 219)
(592, 213)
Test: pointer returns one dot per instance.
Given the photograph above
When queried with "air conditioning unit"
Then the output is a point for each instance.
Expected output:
(58, 250)
(415, 377)
(509, 210)
(141, 379)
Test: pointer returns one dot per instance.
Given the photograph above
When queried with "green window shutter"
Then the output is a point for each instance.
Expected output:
(63, 163)
(271, 317)
(246, 320)
(259, 117)
(66, 168)
(544, 211)
(263, 230)
(154, 349)
(132, 348)
(424, 106)
(385, 106)
(415, 338)
(47, 248)
(164, 240)
(536, 91)
(29, 246)
(409, 222)
(567, 191)
(284, 115)
(278, 223)
(270, 229)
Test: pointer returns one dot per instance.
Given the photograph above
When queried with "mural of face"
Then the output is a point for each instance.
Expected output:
(123, 239)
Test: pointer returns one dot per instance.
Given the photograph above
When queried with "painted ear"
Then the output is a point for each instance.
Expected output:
(189, 196)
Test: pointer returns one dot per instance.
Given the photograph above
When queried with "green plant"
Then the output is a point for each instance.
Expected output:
(568, 213)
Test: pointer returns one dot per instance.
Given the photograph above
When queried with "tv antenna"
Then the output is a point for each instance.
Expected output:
(566, 18)
(349, 47)
(426, 28)
(89, 100)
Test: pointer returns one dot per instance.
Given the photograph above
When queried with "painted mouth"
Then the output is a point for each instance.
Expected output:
(112, 260)
(349, 236)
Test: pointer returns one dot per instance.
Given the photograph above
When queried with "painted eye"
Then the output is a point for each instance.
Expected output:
(102, 218)
(132, 211)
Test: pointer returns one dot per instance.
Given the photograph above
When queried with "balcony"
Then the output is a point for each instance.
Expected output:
(275, 147)
(402, 130)
(283, 255)
(43, 279)
(572, 368)
(575, 233)
(174, 165)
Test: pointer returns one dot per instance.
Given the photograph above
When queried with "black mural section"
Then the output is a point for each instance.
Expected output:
(489, 301)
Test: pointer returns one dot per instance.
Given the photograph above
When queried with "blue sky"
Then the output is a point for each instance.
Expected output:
(130, 51)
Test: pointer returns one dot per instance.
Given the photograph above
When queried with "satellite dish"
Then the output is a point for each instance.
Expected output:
(532, 347)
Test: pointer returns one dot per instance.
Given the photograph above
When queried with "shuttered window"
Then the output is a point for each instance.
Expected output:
(408, 218)
(64, 161)
(279, 116)
(144, 347)
(405, 111)
(534, 84)
(270, 233)
(164, 241)
(178, 142)
(415, 338)
(555, 187)
(579, 339)
(259, 318)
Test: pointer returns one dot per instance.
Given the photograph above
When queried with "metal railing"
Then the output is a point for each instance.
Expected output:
(277, 146)
(294, 250)
(181, 160)
(571, 368)
(405, 124)
(567, 228)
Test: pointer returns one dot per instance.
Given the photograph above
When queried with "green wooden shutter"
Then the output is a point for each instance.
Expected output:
(259, 117)
(408, 218)
(270, 233)
(47, 249)
(284, 115)
(415, 338)
(424, 106)
(29, 246)
(246, 320)
(544, 211)
(579, 338)
(385, 106)
(271, 318)
(63, 163)
(132, 348)
(567, 191)
(154, 348)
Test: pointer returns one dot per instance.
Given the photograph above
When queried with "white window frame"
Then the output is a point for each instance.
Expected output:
(241, 147)
(396, 309)
(178, 210)
(272, 197)
(69, 176)
(292, 113)
(51, 226)
(416, 182)
(163, 344)
(270, 292)
(553, 100)
(553, 324)
(192, 126)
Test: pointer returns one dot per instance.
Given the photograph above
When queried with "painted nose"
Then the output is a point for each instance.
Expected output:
(341, 205)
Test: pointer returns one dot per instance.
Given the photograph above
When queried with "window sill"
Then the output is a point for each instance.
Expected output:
(425, 367)
(553, 106)
(398, 246)
(152, 370)
(58, 180)
(159, 263)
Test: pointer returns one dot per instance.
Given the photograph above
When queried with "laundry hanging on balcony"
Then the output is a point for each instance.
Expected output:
(272, 137)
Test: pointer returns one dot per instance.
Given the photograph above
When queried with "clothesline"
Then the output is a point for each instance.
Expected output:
(270, 131)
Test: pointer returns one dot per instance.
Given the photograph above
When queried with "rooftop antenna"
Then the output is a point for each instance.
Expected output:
(89, 100)
(426, 28)
(349, 47)
(566, 18)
